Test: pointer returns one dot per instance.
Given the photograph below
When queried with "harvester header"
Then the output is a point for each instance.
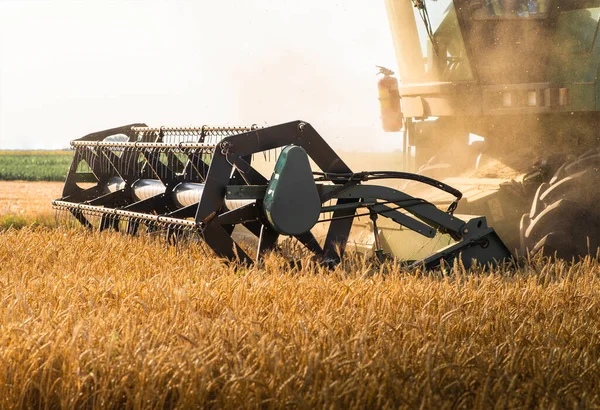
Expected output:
(137, 179)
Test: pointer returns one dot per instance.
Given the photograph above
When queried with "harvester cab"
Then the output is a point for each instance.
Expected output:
(504, 94)
(177, 182)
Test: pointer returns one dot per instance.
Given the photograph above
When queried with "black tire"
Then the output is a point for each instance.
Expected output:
(565, 215)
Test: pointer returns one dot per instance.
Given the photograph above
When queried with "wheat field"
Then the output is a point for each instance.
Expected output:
(99, 320)
(106, 321)
(24, 203)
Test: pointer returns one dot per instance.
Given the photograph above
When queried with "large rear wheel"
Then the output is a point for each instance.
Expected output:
(565, 215)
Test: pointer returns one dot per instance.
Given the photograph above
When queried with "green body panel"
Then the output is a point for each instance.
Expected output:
(559, 51)
(507, 78)
(575, 59)
(292, 204)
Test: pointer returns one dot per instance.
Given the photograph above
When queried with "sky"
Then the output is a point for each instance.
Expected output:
(69, 68)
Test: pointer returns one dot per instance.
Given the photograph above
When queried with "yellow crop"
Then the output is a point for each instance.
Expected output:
(107, 321)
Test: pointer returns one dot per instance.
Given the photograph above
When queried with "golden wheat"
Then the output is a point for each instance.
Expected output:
(105, 321)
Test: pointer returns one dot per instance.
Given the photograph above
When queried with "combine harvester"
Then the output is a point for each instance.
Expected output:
(174, 181)
(501, 99)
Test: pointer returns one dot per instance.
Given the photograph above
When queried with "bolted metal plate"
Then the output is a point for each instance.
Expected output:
(292, 204)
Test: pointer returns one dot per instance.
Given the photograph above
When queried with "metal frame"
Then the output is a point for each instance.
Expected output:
(230, 176)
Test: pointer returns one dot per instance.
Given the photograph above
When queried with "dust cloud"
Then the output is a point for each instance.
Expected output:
(515, 56)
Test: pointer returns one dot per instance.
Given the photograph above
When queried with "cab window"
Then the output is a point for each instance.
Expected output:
(568, 5)
(525, 9)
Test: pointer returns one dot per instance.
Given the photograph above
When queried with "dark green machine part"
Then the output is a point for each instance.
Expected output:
(144, 182)
(523, 75)
(292, 204)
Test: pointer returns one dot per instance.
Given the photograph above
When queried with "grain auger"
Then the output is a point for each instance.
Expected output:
(137, 179)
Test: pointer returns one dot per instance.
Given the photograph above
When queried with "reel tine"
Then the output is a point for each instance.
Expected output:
(123, 224)
(61, 217)
(160, 165)
(127, 159)
(95, 217)
(133, 226)
(103, 161)
(171, 235)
